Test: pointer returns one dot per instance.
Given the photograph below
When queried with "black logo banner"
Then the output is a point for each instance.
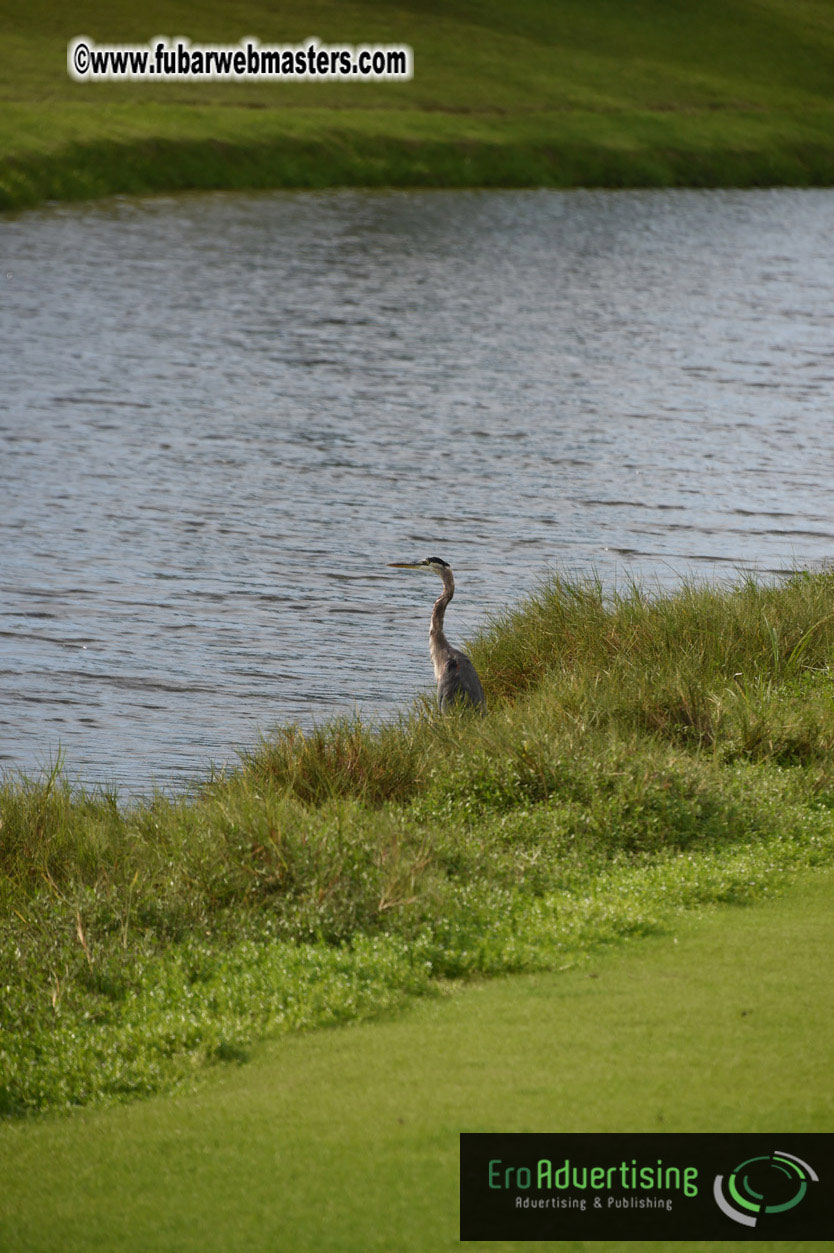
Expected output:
(646, 1186)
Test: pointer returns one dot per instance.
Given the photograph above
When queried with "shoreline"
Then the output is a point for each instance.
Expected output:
(164, 149)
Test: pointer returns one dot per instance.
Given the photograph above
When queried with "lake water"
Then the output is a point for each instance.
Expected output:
(220, 416)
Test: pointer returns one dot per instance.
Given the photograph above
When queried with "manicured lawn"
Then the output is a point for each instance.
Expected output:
(551, 92)
(347, 1139)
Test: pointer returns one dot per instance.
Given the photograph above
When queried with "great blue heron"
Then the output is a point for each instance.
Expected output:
(457, 679)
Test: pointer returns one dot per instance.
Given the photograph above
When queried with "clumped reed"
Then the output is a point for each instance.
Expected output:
(624, 730)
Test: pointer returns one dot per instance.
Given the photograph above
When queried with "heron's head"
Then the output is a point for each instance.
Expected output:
(437, 564)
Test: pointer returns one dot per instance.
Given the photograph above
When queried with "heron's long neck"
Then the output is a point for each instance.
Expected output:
(439, 646)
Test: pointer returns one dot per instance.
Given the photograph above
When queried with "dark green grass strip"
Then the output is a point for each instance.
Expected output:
(219, 150)
(347, 1140)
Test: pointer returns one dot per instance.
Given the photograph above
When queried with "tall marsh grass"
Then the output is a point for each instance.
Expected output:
(334, 872)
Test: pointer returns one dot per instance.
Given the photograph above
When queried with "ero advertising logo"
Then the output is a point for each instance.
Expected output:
(772, 1184)
(648, 1186)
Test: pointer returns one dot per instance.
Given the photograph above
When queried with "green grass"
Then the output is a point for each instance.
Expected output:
(348, 1140)
(552, 92)
(642, 756)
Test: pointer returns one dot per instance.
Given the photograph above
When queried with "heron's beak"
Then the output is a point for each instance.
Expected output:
(406, 565)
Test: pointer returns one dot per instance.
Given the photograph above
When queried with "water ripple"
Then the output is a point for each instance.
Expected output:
(222, 415)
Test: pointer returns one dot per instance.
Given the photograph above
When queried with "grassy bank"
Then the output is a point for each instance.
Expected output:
(642, 756)
(549, 93)
(348, 1140)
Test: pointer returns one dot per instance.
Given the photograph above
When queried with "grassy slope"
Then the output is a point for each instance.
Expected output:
(641, 757)
(552, 92)
(347, 1140)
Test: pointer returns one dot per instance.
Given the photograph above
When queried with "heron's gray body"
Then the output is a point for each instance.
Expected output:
(457, 678)
(459, 682)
